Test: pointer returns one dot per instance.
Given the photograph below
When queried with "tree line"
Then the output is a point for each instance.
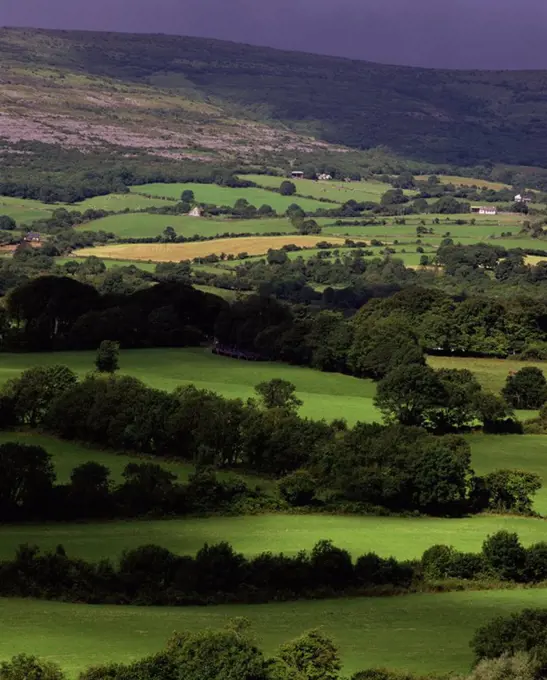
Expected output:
(217, 574)
(361, 469)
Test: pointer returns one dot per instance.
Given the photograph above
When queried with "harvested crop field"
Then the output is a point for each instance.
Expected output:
(175, 252)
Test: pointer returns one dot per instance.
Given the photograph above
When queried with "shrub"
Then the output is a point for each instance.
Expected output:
(526, 389)
(511, 490)
(525, 631)
(437, 561)
(536, 562)
(298, 488)
(518, 667)
(504, 555)
(25, 667)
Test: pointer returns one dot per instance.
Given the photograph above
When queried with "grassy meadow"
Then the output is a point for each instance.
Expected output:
(68, 455)
(483, 230)
(148, 225)
(337, 192)
(410, 257)
(421, 633)
(175, 252)
(111, 264)
(491, 373)
(217, 195)
(325, 395)
(467, 182)
(528, 452)
(119, 202)
(403, 538)
(24, 210)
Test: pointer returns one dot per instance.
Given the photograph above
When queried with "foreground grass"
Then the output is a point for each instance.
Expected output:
(403, 538)
(416, 633)
(325, 395)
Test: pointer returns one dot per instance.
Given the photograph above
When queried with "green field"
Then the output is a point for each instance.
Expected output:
(528, 452)
(118, 202)
(411, 258)
(217, 195)
(110, 264)
(68, 455)
(325, 395)
(145, 225)
(467, 182)
(416, 633)
(491, 373)
(466, 234)
(338, 192)
(24, 210)
(387, 536)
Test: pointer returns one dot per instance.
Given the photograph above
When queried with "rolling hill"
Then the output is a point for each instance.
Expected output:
(180, 97)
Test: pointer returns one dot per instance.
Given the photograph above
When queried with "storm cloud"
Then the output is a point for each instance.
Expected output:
(500, 34)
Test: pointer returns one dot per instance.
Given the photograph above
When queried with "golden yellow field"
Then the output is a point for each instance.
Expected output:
(175, 252)
(534, 259)
(467, 182)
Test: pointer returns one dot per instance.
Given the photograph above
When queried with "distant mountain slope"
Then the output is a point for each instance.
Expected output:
(53, 93)
(455, 117)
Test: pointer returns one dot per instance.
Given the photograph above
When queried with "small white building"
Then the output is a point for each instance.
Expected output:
(297, 174)
(522, 198)
(485, 209)
(324, 177)
(196, 212)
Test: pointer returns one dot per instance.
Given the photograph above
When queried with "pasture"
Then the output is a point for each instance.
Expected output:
(422, 633)
(491, 373)
(486, 230)
(68, 455)
(175, 252)
(410, 257)
(325, 395)
(337, 192)
(403, 538)
(111, 264)
(527, 452)
(118, 202)
(217, 195)
(149, 225)
(25, 210)
(467, 182)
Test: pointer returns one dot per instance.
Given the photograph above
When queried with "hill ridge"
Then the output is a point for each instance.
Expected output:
(432, 116)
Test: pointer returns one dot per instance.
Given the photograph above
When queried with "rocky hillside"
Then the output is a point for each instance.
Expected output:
(200, 97)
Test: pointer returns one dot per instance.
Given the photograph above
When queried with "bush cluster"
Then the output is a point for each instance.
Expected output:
(502, 558)
(398, 468)
(151, 575)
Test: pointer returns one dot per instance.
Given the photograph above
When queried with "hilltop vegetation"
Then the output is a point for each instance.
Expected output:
(267, 98)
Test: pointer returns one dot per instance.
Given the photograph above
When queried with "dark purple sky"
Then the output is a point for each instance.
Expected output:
(441, 33)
